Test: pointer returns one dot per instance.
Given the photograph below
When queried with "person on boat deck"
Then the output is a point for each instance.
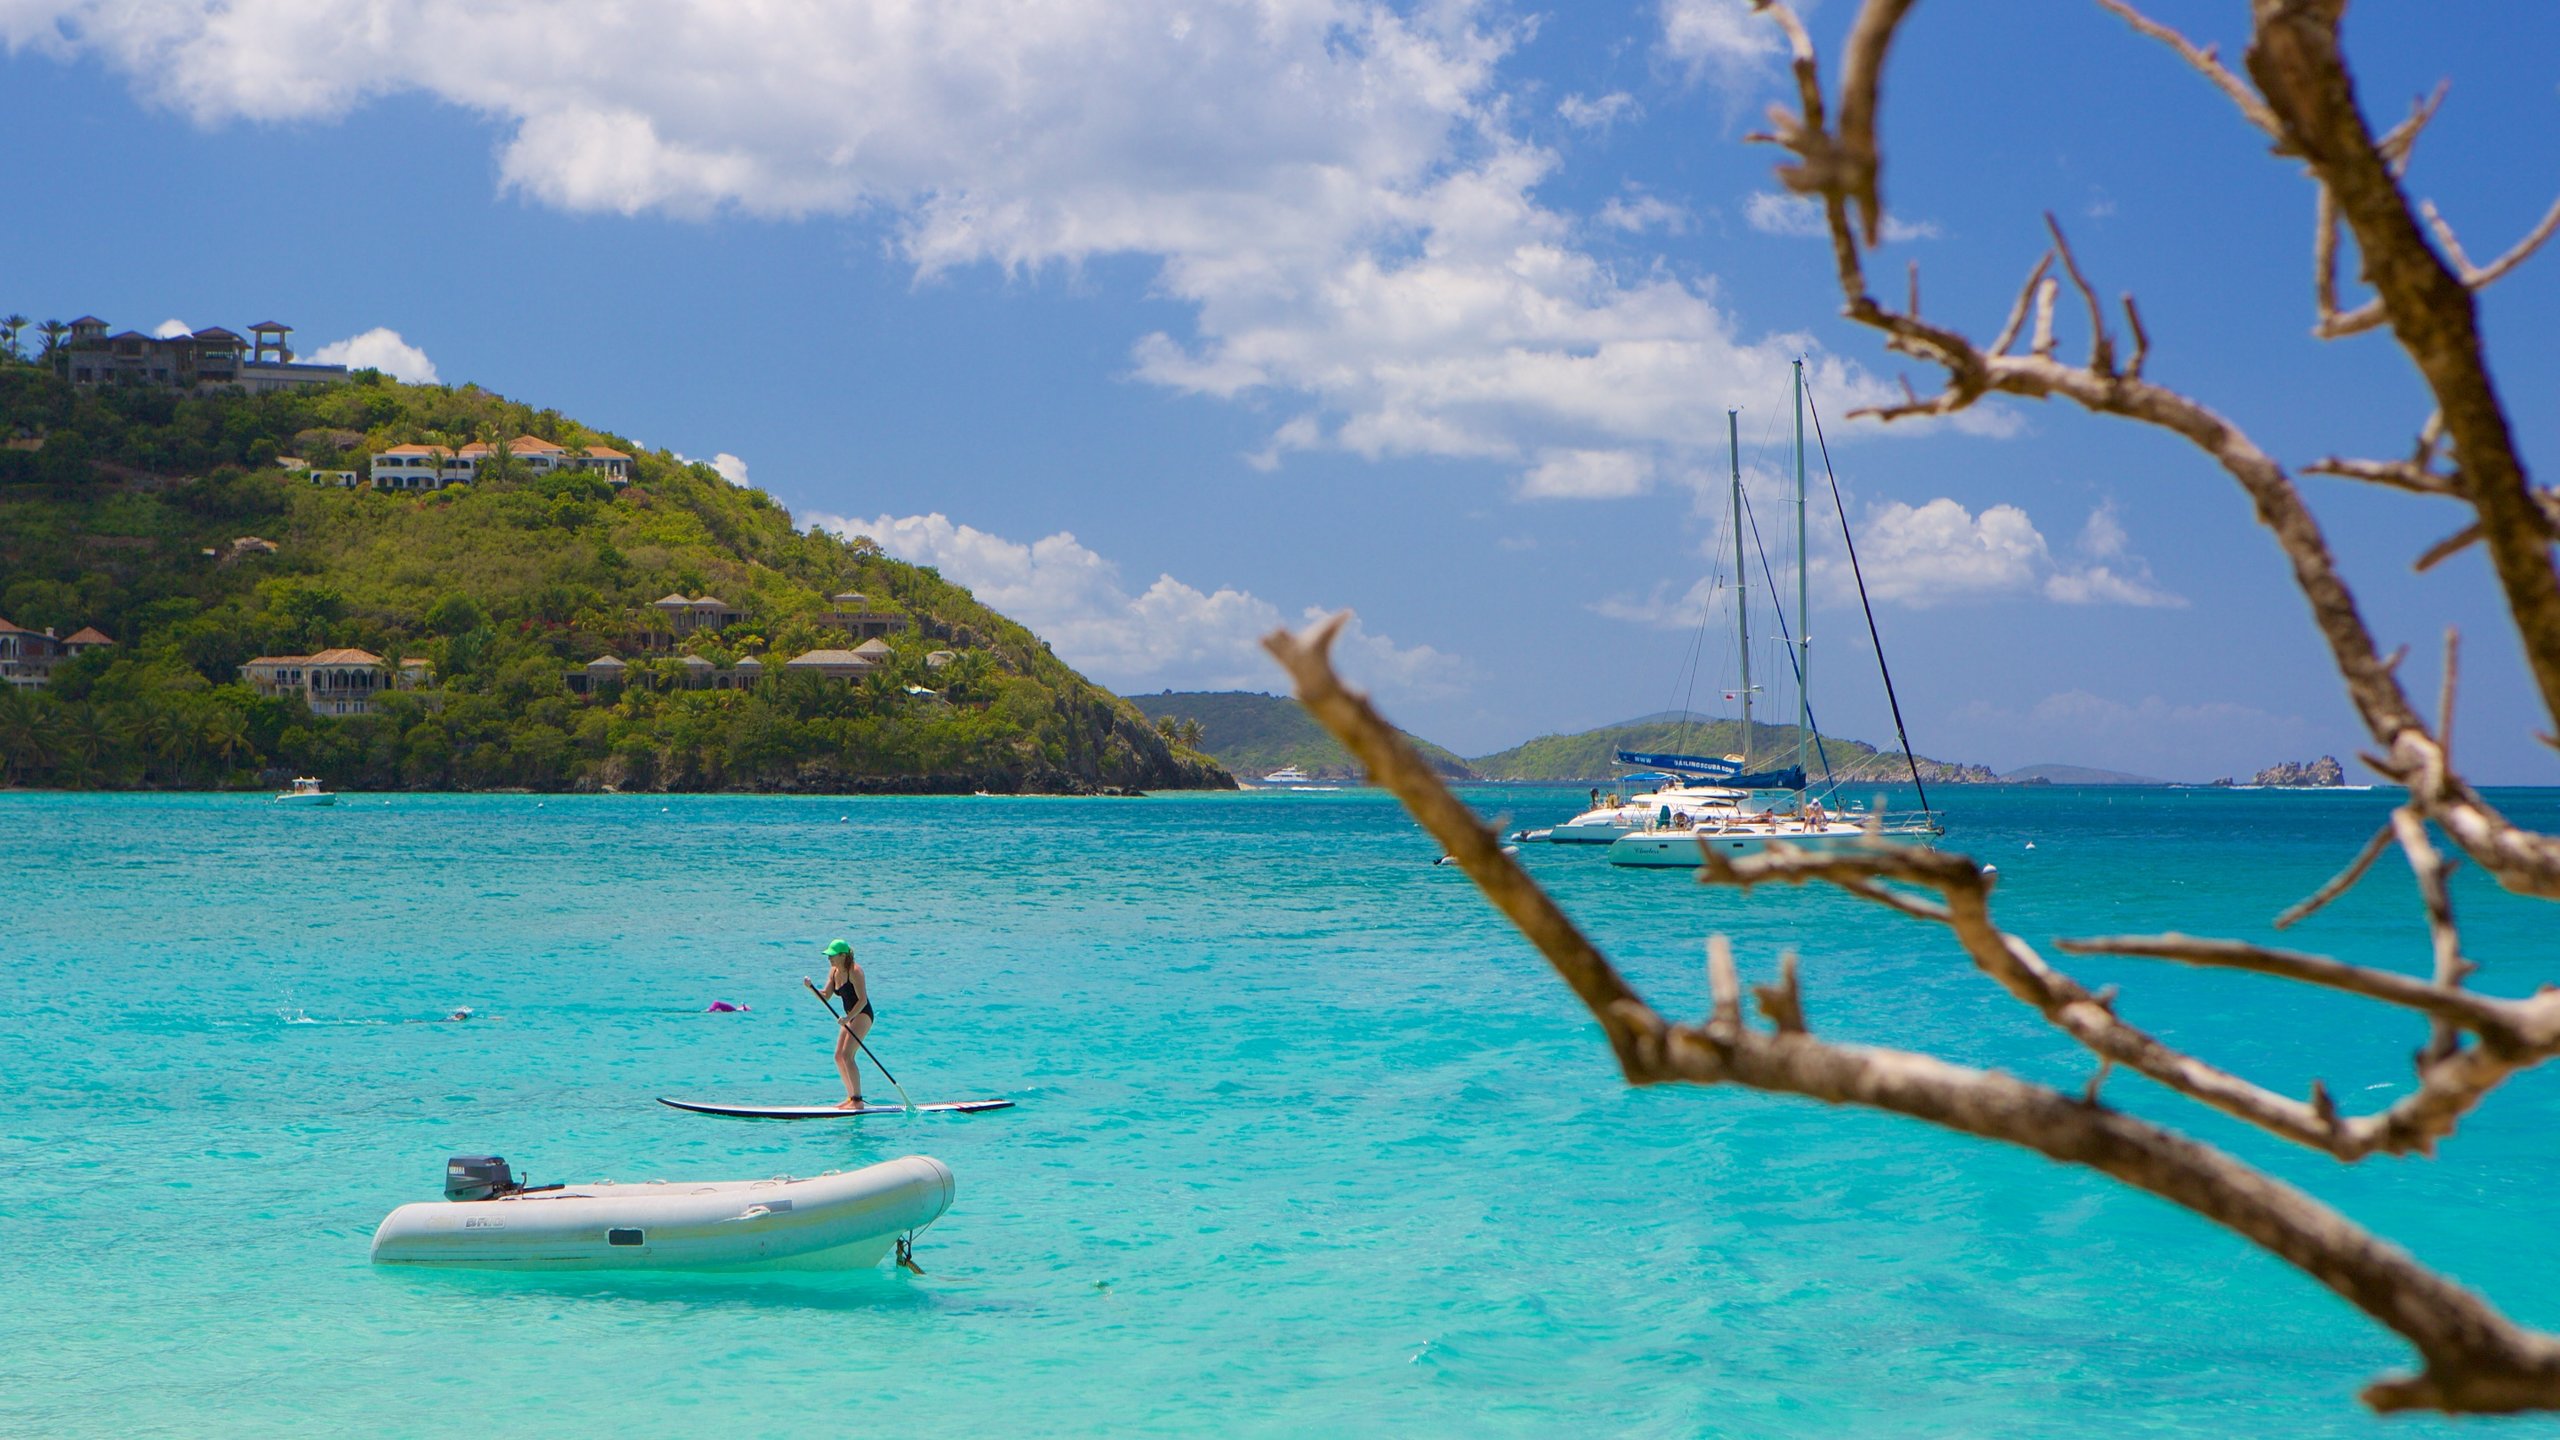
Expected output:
(851, 989)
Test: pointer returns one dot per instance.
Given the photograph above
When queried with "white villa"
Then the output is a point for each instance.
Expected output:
(432, 467)
(334, 682)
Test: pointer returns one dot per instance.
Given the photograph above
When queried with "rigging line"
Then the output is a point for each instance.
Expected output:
(1867, 605)
(1795, 657)
(1687, 693)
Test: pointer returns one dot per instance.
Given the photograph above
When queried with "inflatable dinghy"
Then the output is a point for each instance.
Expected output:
(841, 1220)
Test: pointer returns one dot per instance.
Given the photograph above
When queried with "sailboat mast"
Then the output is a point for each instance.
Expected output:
(1804, 615)
(1741, 574)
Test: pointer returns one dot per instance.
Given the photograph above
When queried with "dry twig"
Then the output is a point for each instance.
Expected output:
(2473, 1358)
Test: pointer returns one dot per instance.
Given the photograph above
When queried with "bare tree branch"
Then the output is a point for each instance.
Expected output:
(2102, 346)
(2455, 1007)
(2294, 58)
(2018, 313)
(2473, 1358)
(2522, 861)
(2205, 60)
(2339, 884)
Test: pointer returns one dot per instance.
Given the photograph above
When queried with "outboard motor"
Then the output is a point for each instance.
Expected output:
(478, 1177)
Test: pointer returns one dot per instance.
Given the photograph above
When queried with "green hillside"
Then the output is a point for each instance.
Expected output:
(1253, 735)
(119, 511)
(1586, 757)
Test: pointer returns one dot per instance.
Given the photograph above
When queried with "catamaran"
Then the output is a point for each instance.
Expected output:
(1716, 802)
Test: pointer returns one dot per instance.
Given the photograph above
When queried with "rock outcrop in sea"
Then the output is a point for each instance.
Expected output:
(2303, 773)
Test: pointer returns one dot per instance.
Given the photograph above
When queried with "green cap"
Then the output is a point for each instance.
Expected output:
(838, 947)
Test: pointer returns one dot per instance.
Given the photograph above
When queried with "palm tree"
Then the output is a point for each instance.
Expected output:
(226, 735)
(88, 735)
(52, 331)
(26, 734)
(10, 325)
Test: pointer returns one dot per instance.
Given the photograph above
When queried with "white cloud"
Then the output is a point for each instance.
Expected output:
(1662, 610)
(1335, 189)
(172, 328)
(1587, 475)
(1940, 552)
(1798, 217)
(379, 348)
(1642, 213)
(1584, 113)
(729, 467)
(1169, 634)
(1717, 34)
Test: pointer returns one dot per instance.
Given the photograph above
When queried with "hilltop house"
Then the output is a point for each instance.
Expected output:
(334, 682)
(208, 359)
(432, 467)
(606, 673)
(850, 664)
(673, 617)
(851, 613)
(27, 657)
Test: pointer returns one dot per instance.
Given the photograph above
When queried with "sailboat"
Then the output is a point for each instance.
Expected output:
(1676, 835)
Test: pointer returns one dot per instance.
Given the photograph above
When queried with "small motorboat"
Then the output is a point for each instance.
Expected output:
(305, 791)
(840, 1220)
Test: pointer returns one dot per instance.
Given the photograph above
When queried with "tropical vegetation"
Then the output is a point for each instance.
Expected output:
(126, 510)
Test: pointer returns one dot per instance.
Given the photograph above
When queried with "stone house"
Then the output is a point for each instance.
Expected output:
(208, 359)
(852, 615)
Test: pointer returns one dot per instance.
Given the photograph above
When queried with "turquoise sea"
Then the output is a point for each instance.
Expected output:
(1308, 1141)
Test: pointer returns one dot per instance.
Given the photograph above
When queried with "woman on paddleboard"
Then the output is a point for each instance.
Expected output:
(850, 988)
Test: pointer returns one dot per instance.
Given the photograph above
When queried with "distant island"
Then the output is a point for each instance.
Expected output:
(1253, 734)
(2323, 773)
(2052, 774)
(431, 587)
(1586, 756)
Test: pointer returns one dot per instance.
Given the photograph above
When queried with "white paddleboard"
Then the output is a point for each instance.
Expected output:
(830, 1112)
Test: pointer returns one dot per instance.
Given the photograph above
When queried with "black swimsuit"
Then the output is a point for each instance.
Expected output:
(844, 994)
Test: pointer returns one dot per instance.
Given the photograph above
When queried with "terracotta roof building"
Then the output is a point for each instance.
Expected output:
(342, 681)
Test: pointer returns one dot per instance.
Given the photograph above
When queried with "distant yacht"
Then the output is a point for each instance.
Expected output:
(1674, 804)
(305, 791)
(1290, 777)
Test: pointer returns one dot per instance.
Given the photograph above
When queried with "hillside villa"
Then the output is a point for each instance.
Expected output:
(209, 359)
(852, 614)
(27, 657)
(333, 682)
(610, 672)
(432, 467)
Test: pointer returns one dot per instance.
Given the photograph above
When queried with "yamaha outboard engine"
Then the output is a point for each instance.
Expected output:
(478, 1177)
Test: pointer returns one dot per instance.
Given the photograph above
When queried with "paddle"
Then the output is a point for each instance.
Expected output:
(858, 1040)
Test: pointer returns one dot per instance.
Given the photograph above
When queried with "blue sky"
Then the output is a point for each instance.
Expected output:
(1162, 322)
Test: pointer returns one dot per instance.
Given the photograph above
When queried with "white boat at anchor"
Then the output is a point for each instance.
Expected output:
(1290, 777)
(1807, 827)
(1612, 816)
(840, 1220)
(1725, 803)
(305, 790)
